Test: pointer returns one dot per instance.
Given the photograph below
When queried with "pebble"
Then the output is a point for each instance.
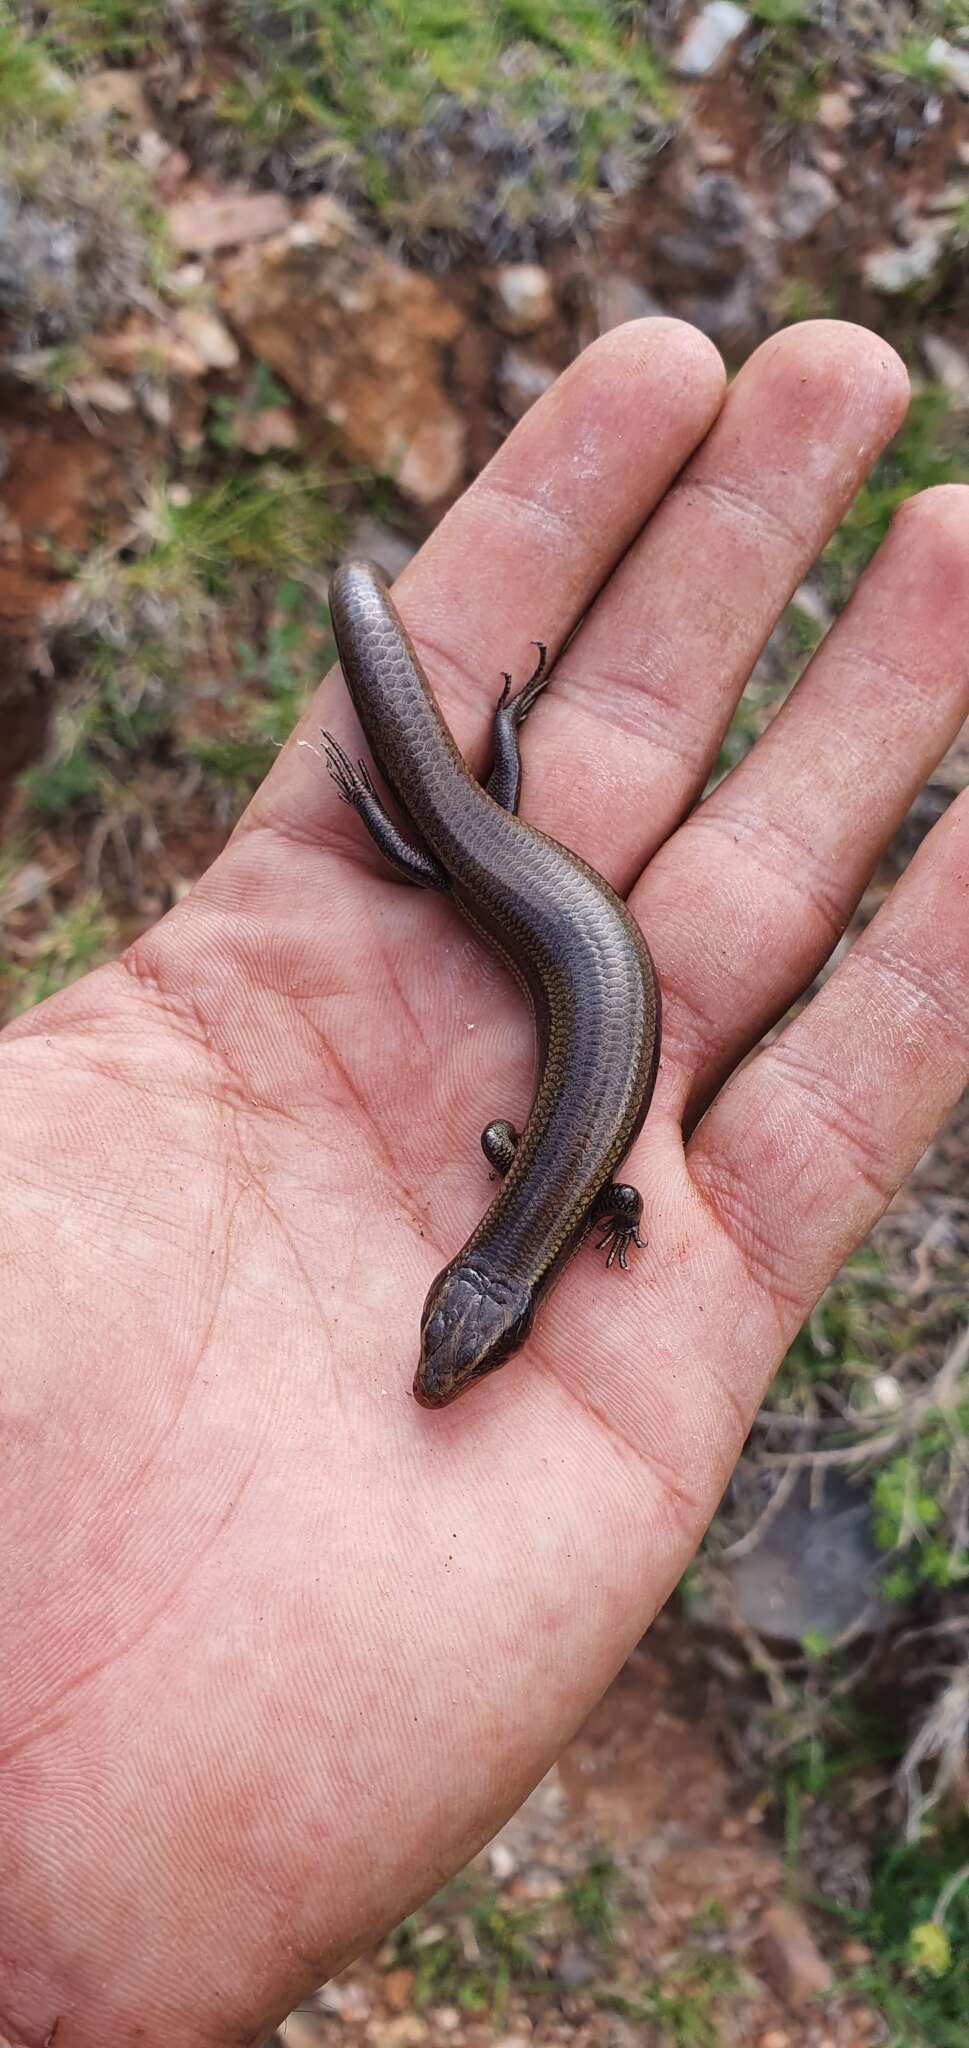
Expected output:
(952, 62)
(891, 270)
(502, 1862)
(951, 367)
(790, 1958)
(806, 200)
(520, 381)
(522, 297)
(716, 28)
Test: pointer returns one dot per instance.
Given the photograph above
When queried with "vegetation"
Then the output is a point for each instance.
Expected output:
(469, 1949)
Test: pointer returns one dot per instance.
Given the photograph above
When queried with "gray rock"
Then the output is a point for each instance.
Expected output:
(717, 27)
(520, 381)
(522, 297)
(807, 199)
(952, 62)
(949, 365)
(815, 1571)
(893, 269)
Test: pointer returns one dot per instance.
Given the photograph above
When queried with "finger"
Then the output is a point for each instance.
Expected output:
(804, 1149)
(522, 554)
(748, 899)
(639, 702)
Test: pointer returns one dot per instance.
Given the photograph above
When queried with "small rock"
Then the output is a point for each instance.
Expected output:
(835, 111)
(28, 885)
(520, 381)
(952, 62)
(151, 149)
(891, 270)
(226, 220)
(886, 1391)
(790, 1958)
(810, 600)
(712, 151)
(522, 297)
(620, 298)
(207, 335)
(808, 197)
(502, 1862)
(360, 340)
(446, 2018)
(948, 364)
(273, 426)
(717, 27)
(950, 199)
(105, 394)
(397, 1987)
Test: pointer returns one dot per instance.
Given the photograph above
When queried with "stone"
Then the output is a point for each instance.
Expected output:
(952, 62)
(717, 27)
(806, 200)
(104, 394)
(950, 198)
(502, 1862)
(207, 335)
(520, 381)
(835, 111)
(360, 340)
(226, 220)
(950, 366)
(893, 269)
(521, 297)
(790, 1958)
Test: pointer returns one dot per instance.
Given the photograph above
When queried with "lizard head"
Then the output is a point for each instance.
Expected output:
(473, 1320)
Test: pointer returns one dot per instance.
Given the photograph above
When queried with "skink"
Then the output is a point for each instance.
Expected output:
(570, 942)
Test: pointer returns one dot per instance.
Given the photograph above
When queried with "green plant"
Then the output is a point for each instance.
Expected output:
(912, 58)
(106, 31)
(318, 79)
(928, 449)
(681, 2003)
(74, 941)
(917, 1928)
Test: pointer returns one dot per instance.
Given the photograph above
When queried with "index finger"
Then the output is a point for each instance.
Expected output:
(522, 554)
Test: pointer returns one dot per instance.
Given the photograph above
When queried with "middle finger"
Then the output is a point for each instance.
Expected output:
(640, 699)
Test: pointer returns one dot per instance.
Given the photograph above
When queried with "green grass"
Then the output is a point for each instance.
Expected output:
(318, 77)
(106, 32)
(918, 1978)
(74, 941)
(469, 1949)
(928, 449)
(910, 58)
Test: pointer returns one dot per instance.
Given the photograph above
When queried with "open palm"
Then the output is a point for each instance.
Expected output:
(281, 1648)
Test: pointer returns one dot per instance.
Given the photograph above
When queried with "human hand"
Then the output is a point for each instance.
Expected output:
(281, 1649)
